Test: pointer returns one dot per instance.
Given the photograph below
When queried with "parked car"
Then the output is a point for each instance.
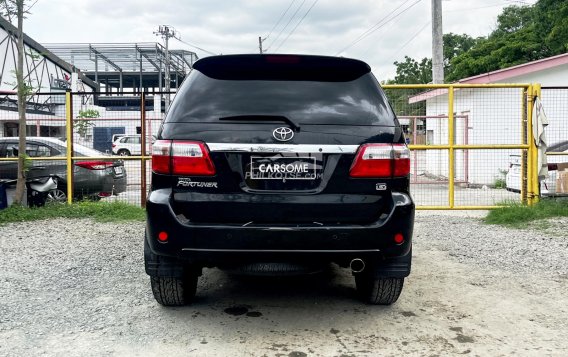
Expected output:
(127, 145)
(279, 164)
(92, 177)
(547, 186)
(115, 137)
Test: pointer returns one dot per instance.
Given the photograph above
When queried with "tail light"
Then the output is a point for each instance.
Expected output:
(381, 160)
(94, 165)
(161, 156)
(181, 158)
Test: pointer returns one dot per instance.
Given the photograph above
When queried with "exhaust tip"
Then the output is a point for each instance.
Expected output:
(357, 265)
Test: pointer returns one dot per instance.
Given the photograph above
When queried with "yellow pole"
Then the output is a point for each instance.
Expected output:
(530, 159)
(454, 85)
(524, 153)
(69, 130)
(451, 143)
(536, 167)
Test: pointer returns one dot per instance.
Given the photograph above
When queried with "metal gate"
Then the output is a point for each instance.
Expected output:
(466, 141)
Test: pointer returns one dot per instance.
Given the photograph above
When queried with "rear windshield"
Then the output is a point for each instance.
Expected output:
(356, 102)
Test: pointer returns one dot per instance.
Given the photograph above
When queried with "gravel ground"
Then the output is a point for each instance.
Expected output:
(78, 288)
(521, 251)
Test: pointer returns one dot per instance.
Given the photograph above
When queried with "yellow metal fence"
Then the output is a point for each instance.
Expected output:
(406, 105)
(449, 114)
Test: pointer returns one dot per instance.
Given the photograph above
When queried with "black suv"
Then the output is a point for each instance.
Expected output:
(279, 164)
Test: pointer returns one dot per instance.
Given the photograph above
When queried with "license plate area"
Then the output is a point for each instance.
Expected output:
(118, 170)
(283, 168)
(283, 171)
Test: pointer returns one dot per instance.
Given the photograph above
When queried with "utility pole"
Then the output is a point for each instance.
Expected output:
(166, 31)
(437, 43)
(260, 40)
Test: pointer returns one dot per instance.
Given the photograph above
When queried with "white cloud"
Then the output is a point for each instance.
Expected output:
(234, 26)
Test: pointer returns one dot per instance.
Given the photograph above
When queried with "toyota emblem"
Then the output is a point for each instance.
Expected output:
(283, 134)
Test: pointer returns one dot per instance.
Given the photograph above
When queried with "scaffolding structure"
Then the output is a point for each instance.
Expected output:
(127, 67)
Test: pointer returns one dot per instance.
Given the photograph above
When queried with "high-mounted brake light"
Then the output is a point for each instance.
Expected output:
(381, 160)
(94, 165)
(287, 59)
(181, 158)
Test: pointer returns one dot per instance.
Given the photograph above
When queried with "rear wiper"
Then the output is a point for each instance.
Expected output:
(294, 126)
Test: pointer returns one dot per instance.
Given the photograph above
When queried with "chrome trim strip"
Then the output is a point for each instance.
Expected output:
(293, 148)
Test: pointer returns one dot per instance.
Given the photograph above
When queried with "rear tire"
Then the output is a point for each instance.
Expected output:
(123, 152)
(377, 290)
(170, 291)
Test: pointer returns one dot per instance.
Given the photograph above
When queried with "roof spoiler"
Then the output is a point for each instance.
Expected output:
(282, 67)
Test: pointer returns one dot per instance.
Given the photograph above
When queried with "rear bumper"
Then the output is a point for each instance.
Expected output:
(93, 182)
(215, 245)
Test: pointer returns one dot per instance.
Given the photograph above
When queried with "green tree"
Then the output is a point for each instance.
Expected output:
(513, 19)
(522, 34)
(82, 124)
(551, 20)
(455, 45)
(411, 71)
(10, 9)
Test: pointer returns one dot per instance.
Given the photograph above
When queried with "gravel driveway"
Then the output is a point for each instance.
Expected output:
(78, 288)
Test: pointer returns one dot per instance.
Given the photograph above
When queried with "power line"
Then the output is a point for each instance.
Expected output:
(411, 39)
(476, 8)
(370, 28)
(31, 6)
(298, 24)
(280, 19)
(385, 20)
(284, 28)
(194, 46)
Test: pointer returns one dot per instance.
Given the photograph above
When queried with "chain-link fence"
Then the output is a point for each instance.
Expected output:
(123, 126)
(110, 137)
(470, 144)
(555, 103)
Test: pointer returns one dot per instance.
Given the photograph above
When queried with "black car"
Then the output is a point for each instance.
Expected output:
(279, 164)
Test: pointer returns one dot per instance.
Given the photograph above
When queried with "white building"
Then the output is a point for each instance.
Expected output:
(492, 116)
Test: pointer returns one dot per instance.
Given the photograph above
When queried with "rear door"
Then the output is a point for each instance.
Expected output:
(9, 169)
(283, 147)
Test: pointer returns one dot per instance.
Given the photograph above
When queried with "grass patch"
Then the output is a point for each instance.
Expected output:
(100, 211)
(519, 216)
